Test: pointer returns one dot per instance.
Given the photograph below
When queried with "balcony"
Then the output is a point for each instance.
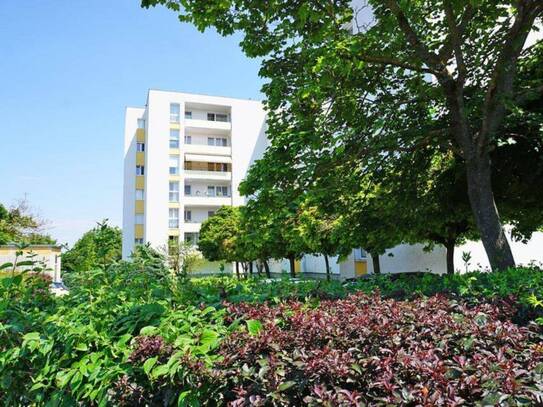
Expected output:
(203, 200)
(206, 149)
(208, 124)
(193, 227)
(208, 175)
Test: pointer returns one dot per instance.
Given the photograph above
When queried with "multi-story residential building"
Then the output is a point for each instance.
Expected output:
(184, 157)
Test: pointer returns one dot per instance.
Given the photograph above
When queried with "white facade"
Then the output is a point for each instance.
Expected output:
(218, 138)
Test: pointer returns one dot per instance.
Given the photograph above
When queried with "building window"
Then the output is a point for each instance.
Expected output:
(141, 123)
(140, 170)
(139, 219)
(221, 191)
(360, 254)
(217, 117)
(140, 147)
(174, 191)
(188, 216)
(139, 195)
(217, 141)
(192, 238)
(174, 165)
(174, 138)
(188, 191)
(174, 112)
(222, 167)
(173, 218)
(188, 114)
(138, 240)
(210, 213)
(188, 139)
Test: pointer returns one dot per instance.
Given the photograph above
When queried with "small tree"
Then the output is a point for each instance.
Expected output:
(99, 247)
(182, 257)
(19, 225)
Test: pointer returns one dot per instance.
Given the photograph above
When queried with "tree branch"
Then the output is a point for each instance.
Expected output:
(446, 50)
(456, 42)
(429, 58)
(500, 87)
(394, 62)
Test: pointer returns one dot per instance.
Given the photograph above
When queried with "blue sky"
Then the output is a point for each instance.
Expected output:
(68, 69)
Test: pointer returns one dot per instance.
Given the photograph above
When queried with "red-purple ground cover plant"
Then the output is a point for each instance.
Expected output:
(367, 350)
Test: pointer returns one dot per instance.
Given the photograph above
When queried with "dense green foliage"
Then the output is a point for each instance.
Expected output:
(398, 118)
(133, 334)
(99, 247)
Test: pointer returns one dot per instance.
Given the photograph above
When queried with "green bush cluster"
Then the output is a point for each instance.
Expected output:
(133, 324)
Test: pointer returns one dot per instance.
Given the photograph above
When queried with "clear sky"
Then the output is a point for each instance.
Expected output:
(68, 69)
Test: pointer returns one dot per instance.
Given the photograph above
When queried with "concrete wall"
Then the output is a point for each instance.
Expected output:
(49, 255)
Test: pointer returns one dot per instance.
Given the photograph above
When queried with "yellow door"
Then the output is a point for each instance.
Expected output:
(360, 267)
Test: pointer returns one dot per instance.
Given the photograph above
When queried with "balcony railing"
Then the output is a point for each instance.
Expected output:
(220, 175)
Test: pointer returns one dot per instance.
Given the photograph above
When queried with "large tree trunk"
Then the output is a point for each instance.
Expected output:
(327, 267)
(376, 263)
(486, 215)
(267, 268)
(450, 257)
(292, 261)
(237, 270)
(251, 268)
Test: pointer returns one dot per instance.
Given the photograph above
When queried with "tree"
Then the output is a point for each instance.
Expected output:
(219, 234)
(20, 225)
(388, 84)
(182, 257)
(99, 247)
(317, 231)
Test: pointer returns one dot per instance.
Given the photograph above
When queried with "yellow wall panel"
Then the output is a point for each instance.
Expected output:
(140, 135)
(138, 232)
(140, 206)
(140, 158)
(175, 126)
(140, 181)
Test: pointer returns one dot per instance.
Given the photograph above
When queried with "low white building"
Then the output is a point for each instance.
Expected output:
(45, 256)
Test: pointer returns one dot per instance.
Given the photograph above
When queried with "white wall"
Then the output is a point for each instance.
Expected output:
(524, 254)
(129, 186)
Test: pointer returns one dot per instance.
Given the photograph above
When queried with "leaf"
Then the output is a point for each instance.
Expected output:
(6, 266)
(286, 385)
(32, 336)
(160, 371)
(148, 364)
(209, 339)
(148, 330)
(82, 347)
(254, 327)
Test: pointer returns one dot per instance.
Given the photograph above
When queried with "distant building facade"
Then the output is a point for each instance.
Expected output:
(48, 255)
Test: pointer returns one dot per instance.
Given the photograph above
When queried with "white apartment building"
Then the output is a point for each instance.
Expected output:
(184, 157)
